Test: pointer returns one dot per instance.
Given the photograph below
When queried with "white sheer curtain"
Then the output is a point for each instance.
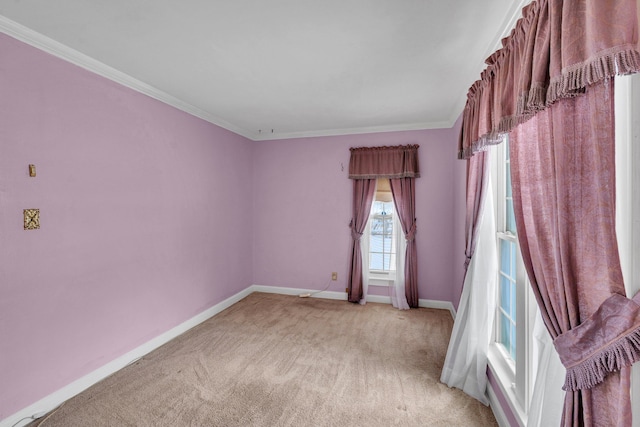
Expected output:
(398, 297)
(396, 289)
(364, 247)
(465, 365)
(548, 397)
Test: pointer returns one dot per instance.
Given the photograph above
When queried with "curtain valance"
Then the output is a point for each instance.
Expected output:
(556, 49)
(384, 162)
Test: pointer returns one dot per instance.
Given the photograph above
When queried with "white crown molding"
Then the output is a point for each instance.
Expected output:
(46, 44)
(353, 131)
(75, 57)
(88, 63)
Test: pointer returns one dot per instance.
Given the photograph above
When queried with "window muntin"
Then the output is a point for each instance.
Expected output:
(510, 355)
(506, 316)
(382, 243)
(510, 218)
(506, 334)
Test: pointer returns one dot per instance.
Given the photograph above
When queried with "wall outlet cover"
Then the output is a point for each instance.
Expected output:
(31, 219)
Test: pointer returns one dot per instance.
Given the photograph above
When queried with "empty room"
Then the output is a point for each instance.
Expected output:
(329, 213)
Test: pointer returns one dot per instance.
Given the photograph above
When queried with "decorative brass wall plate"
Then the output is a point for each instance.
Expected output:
(31, 219)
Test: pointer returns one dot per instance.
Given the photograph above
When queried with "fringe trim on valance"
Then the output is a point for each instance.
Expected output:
(392, 162)
(532, 102)
(593, 370)
(383, 175)
(482, 144)
(575, 79)
(386, 148)
(571, 83)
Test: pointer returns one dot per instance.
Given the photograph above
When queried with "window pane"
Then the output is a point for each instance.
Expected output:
(505, 257)
(387, 261)
(508, 180)
(381, 240)
(511, 217)
(513, 260)
(376, 226)
(376, 262)
(505, 332)
(379, 207)
(506, 148)
(376, 243)
(387, 242)
(388, 225)
(505, 289)
(512, 343)
(512, 303)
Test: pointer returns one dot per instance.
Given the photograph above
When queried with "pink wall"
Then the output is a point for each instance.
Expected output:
(302, 207)
(150, 216)
(459, 202)
(146, 221)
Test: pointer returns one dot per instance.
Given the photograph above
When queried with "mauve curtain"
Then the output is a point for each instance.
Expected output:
(363, 193)
(465, 365)
(556, 49)
(477, 177)
(404, 198)
(399, 164)
(550, 85)
(399, 161)
(563, 176)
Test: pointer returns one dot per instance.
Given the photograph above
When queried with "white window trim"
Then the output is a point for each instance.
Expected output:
(627, 124)
(627, 127)
(380, 277)
(515, 380)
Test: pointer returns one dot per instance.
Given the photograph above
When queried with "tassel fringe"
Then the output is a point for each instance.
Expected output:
(573, 81)
(593, 370)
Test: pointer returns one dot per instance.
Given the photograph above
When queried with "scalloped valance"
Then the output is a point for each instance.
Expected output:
(556, 49)
(384, 162)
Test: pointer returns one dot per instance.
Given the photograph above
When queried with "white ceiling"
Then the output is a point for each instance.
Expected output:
(299, 67)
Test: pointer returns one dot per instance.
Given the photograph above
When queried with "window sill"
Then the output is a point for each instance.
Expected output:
(505, 378)
(381, 279)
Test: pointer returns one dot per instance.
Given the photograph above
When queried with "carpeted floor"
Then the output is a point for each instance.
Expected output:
(276, 360)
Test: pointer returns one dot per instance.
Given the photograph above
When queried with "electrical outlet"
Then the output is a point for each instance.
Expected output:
(334, 276)
(346, 290)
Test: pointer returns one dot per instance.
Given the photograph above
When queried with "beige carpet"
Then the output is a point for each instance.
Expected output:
(275, 360)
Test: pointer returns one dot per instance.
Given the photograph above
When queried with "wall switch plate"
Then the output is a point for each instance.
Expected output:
(334, 276)
(31, 219)
(32, 171)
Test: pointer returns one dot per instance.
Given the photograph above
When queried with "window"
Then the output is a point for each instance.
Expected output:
(627, 108)
(384, 237)
(510, 353)
(506, 320)
(382, 248)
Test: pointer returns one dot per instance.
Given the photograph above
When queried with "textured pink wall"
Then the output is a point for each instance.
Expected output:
(459, 171)
(303, 206)
(150, 216)
(146, 221)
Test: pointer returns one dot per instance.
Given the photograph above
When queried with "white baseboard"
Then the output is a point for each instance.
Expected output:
(56, 398)
(425, 303)
(48, 403)
(441, 305)
(298, 291)
(498, 412)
